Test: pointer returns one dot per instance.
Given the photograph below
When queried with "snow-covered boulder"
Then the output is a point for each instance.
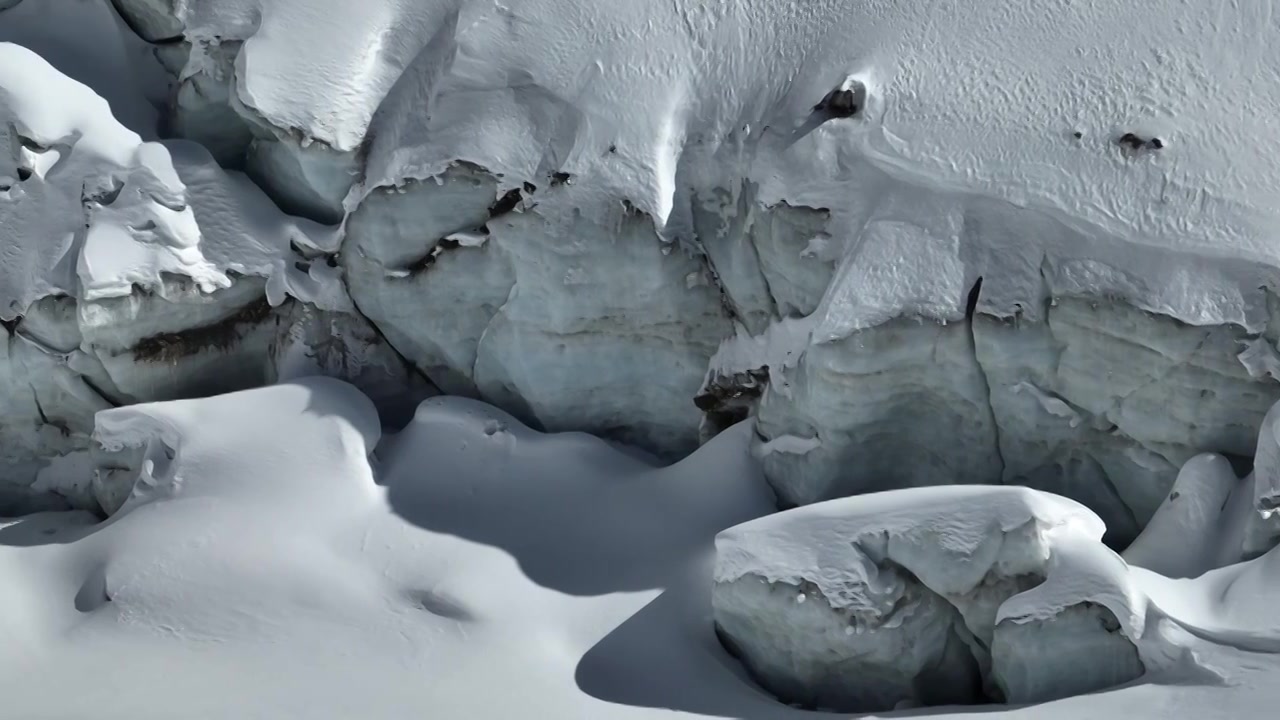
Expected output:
(929, 595)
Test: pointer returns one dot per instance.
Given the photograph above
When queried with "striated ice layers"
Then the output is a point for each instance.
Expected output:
(918, 260)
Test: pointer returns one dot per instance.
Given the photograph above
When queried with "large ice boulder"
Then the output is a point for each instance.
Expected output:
(949, 595)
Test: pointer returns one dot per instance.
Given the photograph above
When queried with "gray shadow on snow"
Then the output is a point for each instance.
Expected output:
(578, 515)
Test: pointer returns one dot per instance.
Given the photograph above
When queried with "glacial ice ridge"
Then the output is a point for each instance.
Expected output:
(919, 262)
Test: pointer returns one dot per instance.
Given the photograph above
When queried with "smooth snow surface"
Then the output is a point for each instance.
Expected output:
(263, 565)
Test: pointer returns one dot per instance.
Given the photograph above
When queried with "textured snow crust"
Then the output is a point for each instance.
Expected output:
(710, 97)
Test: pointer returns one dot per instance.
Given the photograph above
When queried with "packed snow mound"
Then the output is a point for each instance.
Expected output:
(90, 43)
(340, 424)
(932, 595)
(261, 551)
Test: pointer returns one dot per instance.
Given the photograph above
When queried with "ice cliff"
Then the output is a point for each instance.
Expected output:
(920, 256)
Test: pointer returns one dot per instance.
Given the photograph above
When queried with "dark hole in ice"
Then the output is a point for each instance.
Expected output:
(844, 102)
(971, 305)
(506, 203)
(1134, 142)
(1241, 464)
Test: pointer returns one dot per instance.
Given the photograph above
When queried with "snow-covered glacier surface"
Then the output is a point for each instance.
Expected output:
(275, 552)
(1024, 245)
(596, 214)
(648, 222)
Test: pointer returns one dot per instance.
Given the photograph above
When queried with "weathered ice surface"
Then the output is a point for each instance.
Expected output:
(1080, 650)
(927, 596)
(519, 228)
(901, 405)
(1099, 402)
(590, 326)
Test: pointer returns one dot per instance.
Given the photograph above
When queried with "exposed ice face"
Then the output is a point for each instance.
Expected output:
(670, 205)
(809, 654)
(571, 325)
(932, 595)
(1095, 400)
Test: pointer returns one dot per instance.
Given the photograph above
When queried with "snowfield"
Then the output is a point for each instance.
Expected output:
(276, 556)
(605, 359)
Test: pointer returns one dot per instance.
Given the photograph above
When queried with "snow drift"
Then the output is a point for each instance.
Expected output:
(274, 551)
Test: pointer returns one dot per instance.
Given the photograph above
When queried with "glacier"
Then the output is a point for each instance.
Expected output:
(976, 594)
(927, 353)
(278, 550)
(964, 244)
(864, 604)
